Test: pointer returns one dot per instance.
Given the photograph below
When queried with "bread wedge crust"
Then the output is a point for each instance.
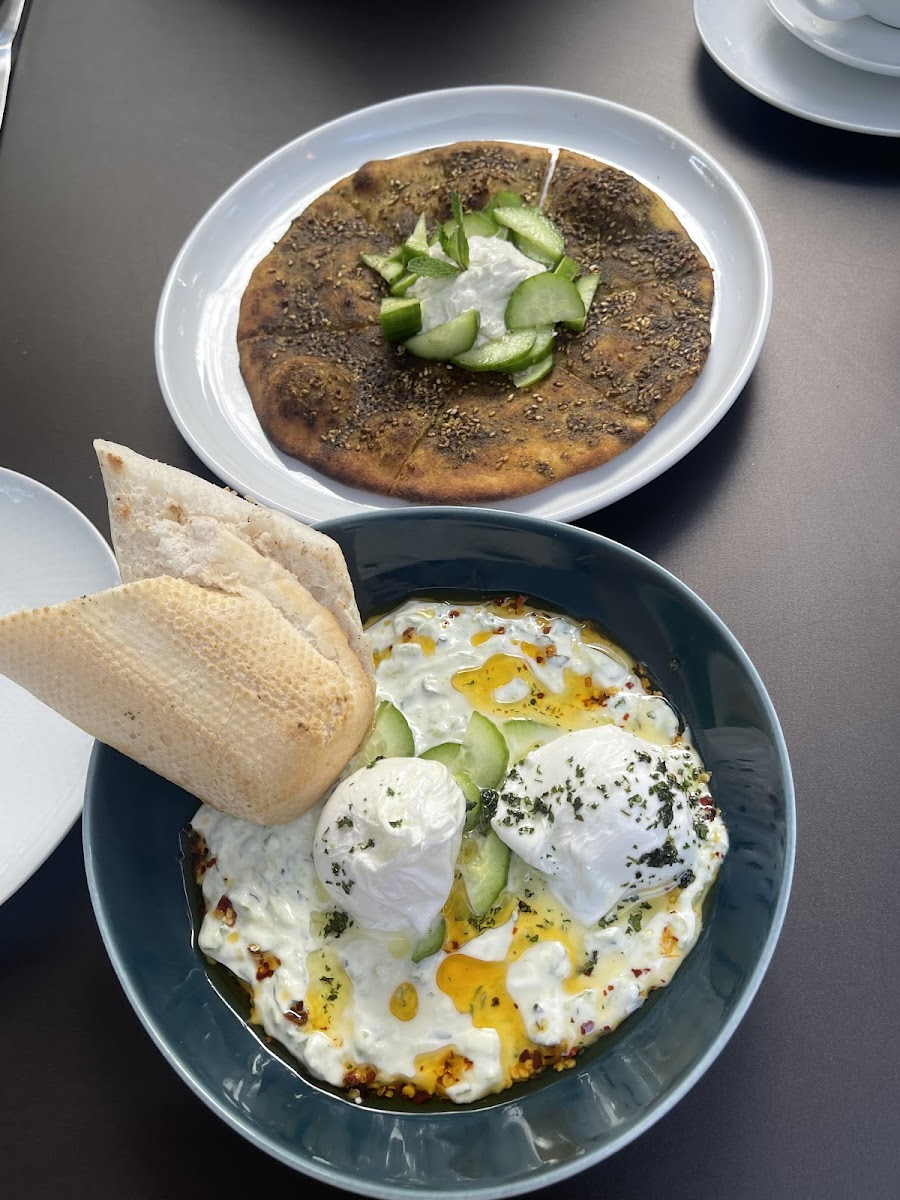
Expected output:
(231, 660)
(217, 691)
(147, 497)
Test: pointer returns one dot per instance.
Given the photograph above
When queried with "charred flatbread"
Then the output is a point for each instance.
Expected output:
(330, 391)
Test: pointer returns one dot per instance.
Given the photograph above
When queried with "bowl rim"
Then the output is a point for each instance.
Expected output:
(553, 1173)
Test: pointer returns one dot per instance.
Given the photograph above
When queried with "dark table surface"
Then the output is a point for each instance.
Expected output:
(126, 120)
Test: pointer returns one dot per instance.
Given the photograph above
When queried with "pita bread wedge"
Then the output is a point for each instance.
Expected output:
(147, 497)
(215, 690)
(232, 659)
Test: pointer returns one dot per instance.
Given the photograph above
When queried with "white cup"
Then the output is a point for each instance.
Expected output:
(885, 11)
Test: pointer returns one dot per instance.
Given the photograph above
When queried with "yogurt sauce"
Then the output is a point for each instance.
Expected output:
(496, 268)
(526, 986)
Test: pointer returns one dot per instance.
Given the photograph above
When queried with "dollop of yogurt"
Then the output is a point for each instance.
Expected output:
(387, 842)
(496, 268)
(605, 815)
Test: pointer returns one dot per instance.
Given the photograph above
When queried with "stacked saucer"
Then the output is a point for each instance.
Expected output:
(829, 61)
(857, 39)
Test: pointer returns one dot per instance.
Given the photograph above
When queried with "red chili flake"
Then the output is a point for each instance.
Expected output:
(625, 718)
(538, 1059)
(546, 628)
(630, 684)
(587, 1027)
(224, 910)
(297, 1013)
(539, 658)
(539, 695)
(266, 964)
(612, 987)
(454, 612)
(420, 1097)
(524, 1056)
(707, 802)
(637, 972)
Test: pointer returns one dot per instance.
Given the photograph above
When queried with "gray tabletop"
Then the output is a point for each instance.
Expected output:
(126, 120)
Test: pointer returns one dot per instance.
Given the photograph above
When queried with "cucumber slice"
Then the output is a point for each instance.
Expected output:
(475, 225)
(481, 757)
(504, 353)
(544, 300)
(504, 200)
(587, 285)
(544, 337)
(446, 753)
(524, 735)
(448, 340)
(401, 317)
(388, 266)
(484, 866)
(417, 242)
(535, 373)
(567, 267)
(472, 793)
(479, 225)
(483, 754)
(391, 736)
(403, 284)
(431, 942)
(538, 230)
(532, 250)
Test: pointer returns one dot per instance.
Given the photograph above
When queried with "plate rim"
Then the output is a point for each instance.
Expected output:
(773, 98)
(566, 510)
(556, 1172)
(57, 830)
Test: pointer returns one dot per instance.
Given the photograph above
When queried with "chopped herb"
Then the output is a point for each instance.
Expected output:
(337, 923)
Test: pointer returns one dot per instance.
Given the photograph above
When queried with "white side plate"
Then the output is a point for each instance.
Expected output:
(49, 552)
(196, 353)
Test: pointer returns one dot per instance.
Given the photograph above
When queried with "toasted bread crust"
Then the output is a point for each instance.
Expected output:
(216, 691)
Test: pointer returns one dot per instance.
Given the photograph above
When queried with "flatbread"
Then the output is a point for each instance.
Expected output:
(331, 392)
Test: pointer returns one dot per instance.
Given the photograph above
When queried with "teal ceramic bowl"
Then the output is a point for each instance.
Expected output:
(535, 1136)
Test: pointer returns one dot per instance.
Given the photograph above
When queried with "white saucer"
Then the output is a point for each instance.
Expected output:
(862, 42)
(49, 552)
(751, 46)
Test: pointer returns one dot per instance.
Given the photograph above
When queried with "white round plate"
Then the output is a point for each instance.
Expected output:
(49, 552)
(862, 42)
(196, 352)
(751, 46)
